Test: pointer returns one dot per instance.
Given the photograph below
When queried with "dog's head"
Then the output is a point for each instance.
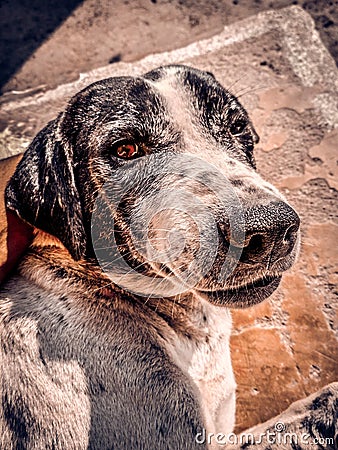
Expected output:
(158, 173)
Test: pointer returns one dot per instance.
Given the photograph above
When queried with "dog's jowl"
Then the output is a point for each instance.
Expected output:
(150, 222)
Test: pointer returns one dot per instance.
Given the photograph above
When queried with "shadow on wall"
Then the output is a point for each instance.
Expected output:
(24, 25)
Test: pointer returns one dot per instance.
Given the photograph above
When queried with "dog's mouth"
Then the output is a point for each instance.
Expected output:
(239, 291)
(245, 295)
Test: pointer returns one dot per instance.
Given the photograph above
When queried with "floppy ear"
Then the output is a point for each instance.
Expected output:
(43, 192)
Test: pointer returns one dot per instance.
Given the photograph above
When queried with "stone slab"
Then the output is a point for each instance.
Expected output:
(287, 34)
(276, 64)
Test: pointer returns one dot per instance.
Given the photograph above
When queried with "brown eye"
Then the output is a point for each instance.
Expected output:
(127, 150)
(238, 127)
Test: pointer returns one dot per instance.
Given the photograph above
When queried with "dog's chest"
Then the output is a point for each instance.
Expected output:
(207, 362)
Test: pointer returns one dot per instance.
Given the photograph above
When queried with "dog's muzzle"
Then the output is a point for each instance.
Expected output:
(183, 227)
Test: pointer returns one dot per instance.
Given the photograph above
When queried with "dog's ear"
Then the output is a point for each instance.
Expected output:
(43, 191)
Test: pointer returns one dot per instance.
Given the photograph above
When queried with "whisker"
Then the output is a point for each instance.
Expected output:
(108, 247)
(103, 286)
(142, 230)
(133, 269)
(250, 91)
(233, 84)
(167, 276)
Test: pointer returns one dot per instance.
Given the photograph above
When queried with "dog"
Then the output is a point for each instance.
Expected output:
(146, 222)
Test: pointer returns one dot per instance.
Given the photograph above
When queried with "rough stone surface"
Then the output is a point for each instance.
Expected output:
(286, 347)
(40, 50)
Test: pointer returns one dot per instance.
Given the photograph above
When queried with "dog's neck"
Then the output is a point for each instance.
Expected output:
(185, 313)
(195, 333)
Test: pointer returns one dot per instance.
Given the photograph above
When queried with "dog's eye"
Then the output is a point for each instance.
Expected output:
(238, 127)
(126, 150)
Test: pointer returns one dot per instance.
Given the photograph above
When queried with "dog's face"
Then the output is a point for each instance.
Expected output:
(160, 169)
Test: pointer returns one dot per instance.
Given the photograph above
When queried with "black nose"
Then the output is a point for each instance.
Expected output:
(271, 233)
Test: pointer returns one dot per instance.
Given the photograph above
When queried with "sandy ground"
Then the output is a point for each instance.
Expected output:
(44, 44)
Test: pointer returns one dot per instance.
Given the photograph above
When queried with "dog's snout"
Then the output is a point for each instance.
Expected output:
(271, 233)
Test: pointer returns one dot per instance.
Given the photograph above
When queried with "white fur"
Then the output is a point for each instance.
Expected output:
(206, 360)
